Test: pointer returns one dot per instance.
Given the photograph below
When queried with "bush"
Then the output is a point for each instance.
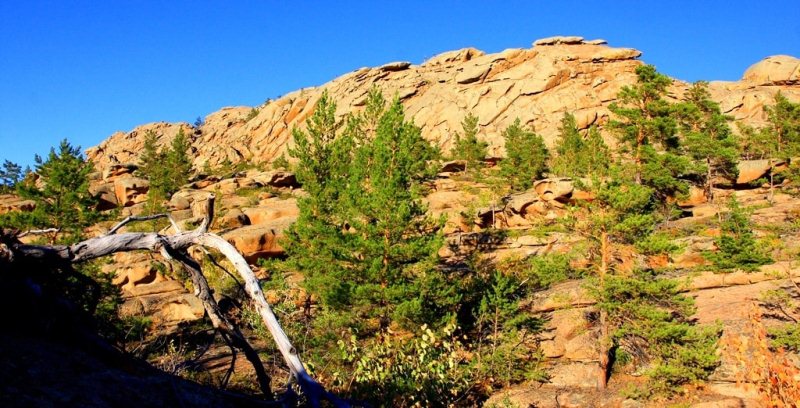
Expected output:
(656, 244)
(737, 247)
(651, 322)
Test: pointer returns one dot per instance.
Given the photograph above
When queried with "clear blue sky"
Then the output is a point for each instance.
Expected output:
(84, 69)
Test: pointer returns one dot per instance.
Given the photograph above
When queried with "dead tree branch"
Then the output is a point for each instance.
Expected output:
(176, 246)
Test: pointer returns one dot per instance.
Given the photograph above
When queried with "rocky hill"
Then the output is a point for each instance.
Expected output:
(537, 85)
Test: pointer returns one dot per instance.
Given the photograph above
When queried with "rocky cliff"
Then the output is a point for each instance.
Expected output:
(537, 85)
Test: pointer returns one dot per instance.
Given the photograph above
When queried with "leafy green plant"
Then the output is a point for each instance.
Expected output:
(656, 243)
(61, 192)
(166, 169)
(737, 247)
(578, 156)
(425, 370)
(652, 321)
(467, 147)
(526, 156)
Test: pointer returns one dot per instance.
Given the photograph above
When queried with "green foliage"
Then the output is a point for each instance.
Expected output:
(737, 248)
(786, 336)
(467, 147)
(656, 243)
(505, 350)
(526, 157)
(623, 209)
(61, 193)
(579, 156)
(425, 370)
(166, 169)
(664, 172)
(646, 119)
(780, 139)
(707, 138)
(281, 163)
(252, 114)
(10, 175)
(546, 270)
(652, 320)
(368, 253)
(363, 239)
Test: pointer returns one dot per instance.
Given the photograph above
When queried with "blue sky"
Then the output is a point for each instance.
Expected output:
(82, 70)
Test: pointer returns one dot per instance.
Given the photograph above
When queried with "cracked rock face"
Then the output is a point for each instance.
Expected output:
(536, 85)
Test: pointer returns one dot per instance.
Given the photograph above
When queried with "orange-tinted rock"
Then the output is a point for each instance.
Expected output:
(130, 190)
(259, 241)
(535, 85)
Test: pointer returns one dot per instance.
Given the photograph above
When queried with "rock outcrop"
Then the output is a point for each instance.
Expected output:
(536, 85)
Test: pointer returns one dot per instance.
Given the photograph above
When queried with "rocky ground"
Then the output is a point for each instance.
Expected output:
(257, 206)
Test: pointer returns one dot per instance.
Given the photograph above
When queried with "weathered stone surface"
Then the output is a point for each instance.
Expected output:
(259, 241)
(11, 202)
(234, 218)
(271, 210)
(535, 85)
(395, 66)
(130, 190)
(117, 170)
(276, 179)
(554, 189)
(559, 39)
(473, 74)
(752, 170)
(775, 70)
(453, 166)
(579, 375)
(106, 195)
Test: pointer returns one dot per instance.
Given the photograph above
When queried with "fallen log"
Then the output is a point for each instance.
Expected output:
(176, 246)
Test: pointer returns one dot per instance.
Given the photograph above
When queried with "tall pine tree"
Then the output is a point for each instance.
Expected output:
(467, 147)
(578, 156)
(526, 156)
(61, 192)
(707, 138)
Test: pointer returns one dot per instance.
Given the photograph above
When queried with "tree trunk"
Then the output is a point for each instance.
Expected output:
(175, 246)
(605, 338)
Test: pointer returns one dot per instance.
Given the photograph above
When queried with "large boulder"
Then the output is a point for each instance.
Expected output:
(271, 210)
(774, 70)
(106, 195)
(554, 189)
(277, 179)
(11, 202)
(130, 190)
(255, 242)
(752, 170)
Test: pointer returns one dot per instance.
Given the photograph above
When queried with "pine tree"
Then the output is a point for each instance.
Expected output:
(166, 169)
(579, 157)
(736, 246)
(363, 240)
(597, 155)
(10, 175)
(394, 238)
(644, 116)
(526, 156)
(468, 147)
(784, 126)
(61, 192)
(707, 137)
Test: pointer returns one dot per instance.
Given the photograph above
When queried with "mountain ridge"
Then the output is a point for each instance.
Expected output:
(557, 75)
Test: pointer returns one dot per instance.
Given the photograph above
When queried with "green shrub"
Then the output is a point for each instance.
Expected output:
(737, 247)
(426, 370)
(656, 243)
(652, 320)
